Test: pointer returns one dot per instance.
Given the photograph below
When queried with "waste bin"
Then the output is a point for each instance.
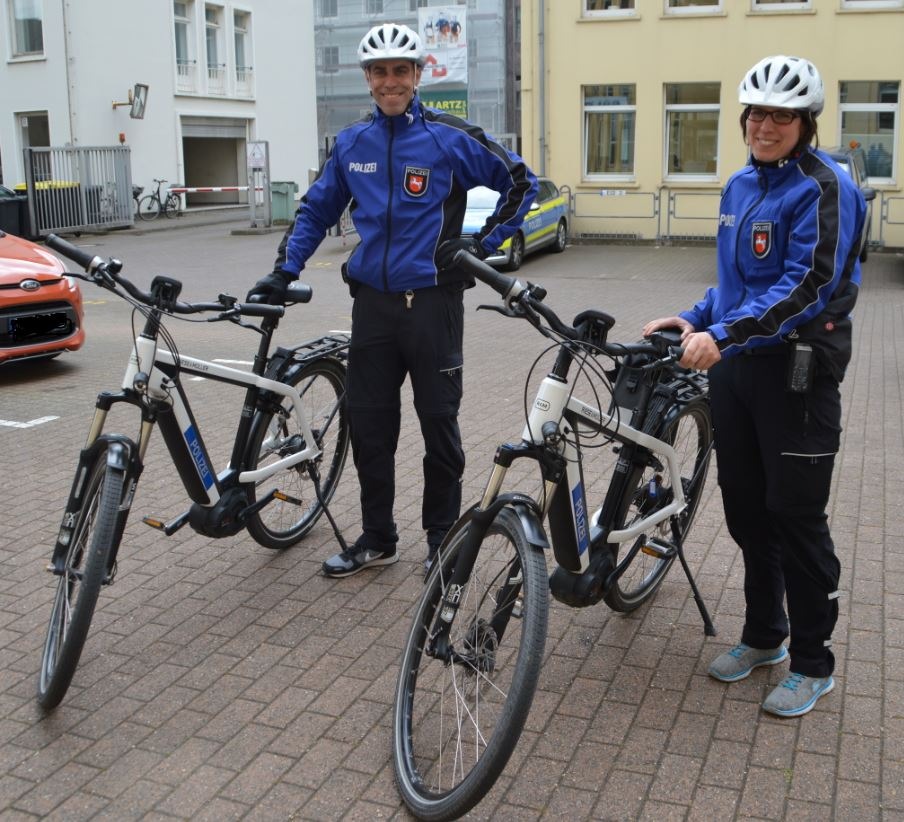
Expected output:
(282, 201)
(12, 215)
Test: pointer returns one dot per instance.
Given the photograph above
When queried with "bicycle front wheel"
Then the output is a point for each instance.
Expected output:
(276, 434)
(458, 718)
(172, 206)
(690, 434)
(94, 536)
(148, 207)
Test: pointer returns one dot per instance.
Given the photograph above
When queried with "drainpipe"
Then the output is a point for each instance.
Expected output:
(541, 85)
(70, 71)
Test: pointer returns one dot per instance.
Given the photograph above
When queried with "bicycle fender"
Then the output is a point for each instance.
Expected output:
(530, 522)
(122, 455)
(524, 507)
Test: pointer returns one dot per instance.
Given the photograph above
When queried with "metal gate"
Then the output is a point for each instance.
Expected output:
(75, 189)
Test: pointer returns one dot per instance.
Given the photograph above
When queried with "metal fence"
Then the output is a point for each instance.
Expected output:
(74, 189)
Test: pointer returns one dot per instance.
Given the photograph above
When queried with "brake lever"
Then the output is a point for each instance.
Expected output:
(505, 311)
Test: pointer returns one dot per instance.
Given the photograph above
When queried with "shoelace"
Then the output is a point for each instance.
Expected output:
(738, 651)
(792, 681)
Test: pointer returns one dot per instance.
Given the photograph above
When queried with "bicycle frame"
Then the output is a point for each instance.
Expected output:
(179, 428)
(553, 404)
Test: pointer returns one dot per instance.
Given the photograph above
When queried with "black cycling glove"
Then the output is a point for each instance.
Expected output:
(445, 254)
(271, 289)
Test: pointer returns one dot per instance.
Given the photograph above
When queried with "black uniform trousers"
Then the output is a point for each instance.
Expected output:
(419, 335)
(775, 452)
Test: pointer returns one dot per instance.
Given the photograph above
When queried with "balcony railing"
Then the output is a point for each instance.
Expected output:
(216, 78)
(244, 81)
(186, 75)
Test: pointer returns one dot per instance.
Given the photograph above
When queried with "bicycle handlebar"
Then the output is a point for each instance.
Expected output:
(530, 298)
(106, 273)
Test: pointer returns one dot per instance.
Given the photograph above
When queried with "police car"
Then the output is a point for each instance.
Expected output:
(546, 224)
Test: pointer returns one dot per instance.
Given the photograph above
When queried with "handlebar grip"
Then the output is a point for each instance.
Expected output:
(507, 287)
(261, 310)
(87, 261)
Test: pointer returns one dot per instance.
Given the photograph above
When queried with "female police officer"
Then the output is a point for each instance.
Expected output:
(776, 335)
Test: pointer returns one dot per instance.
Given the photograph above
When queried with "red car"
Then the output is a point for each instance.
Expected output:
(41, 312)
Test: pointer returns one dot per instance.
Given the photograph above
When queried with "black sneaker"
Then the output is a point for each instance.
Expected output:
(358, 557)
(432, 551)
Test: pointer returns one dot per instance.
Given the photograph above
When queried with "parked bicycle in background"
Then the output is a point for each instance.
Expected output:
(152, 205)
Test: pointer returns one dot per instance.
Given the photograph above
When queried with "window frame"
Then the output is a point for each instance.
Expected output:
(875, 108)
(711, 7)
(689, 108)
(322, 64)
(608, 14)
(324, 6)
(871, 5)
(370, 10)
(17, 53)
(777, 6)
(586, 111)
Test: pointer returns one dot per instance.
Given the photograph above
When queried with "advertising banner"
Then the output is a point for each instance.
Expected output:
(444, 33)
(452, 101)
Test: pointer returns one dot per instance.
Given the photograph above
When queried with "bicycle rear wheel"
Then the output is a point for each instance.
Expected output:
(275, 434)
(456, 723)
(172, 205)
(649, 487)
(148, 207)
(94, 536)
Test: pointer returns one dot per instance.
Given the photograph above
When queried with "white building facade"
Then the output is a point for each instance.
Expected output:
(218, 74)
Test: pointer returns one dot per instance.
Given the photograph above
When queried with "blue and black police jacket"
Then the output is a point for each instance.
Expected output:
(406, 178)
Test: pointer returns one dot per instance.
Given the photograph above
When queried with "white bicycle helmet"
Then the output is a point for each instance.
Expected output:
(390, 41)
(783, 82)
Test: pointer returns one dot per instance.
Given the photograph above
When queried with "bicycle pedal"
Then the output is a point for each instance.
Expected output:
(168, 528)
(154, 523)
(286, 498)
(658, 550)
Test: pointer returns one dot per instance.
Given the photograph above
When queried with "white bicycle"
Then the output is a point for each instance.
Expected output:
(289, 449)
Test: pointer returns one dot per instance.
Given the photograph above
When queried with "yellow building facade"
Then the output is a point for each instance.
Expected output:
(632, 105)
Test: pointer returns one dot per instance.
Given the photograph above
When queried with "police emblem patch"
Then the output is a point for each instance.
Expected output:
(761, 239)
(416, 181)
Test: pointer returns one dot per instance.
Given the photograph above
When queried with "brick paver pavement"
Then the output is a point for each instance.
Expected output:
(225, 681)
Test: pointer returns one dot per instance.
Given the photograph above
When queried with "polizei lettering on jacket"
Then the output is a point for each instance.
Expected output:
(363, 168)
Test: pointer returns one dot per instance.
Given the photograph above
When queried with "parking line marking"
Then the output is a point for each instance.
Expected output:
(30, 424)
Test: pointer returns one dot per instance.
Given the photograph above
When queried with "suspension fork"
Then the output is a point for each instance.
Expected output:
(480, 518)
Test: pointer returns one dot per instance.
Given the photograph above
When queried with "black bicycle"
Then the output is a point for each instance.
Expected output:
(472, 658)
(290, 446)
(152, 205)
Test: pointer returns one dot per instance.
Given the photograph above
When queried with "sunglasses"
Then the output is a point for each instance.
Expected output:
(781, 117)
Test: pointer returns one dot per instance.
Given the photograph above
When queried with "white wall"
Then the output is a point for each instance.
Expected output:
(113, 45)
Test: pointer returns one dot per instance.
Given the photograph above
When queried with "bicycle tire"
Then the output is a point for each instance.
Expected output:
(281, 524)
(690, 434)
(149, 207)
(95, 535)
(172, 205)
(441, 709)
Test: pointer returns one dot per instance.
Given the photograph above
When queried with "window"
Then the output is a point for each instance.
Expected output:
(693, 6)
(776, 5)
(216, 75)
(27, 26)
(869, 115)
(609, 122)
(185, 63)
(241, 27)
(414, 5)
(328, 58)
(872, 4)
(607, 8)
(692, 128)
(328, 8)
(373, 7)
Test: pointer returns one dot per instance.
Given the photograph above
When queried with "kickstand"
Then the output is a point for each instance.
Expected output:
(315, 478)
(708, 628)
